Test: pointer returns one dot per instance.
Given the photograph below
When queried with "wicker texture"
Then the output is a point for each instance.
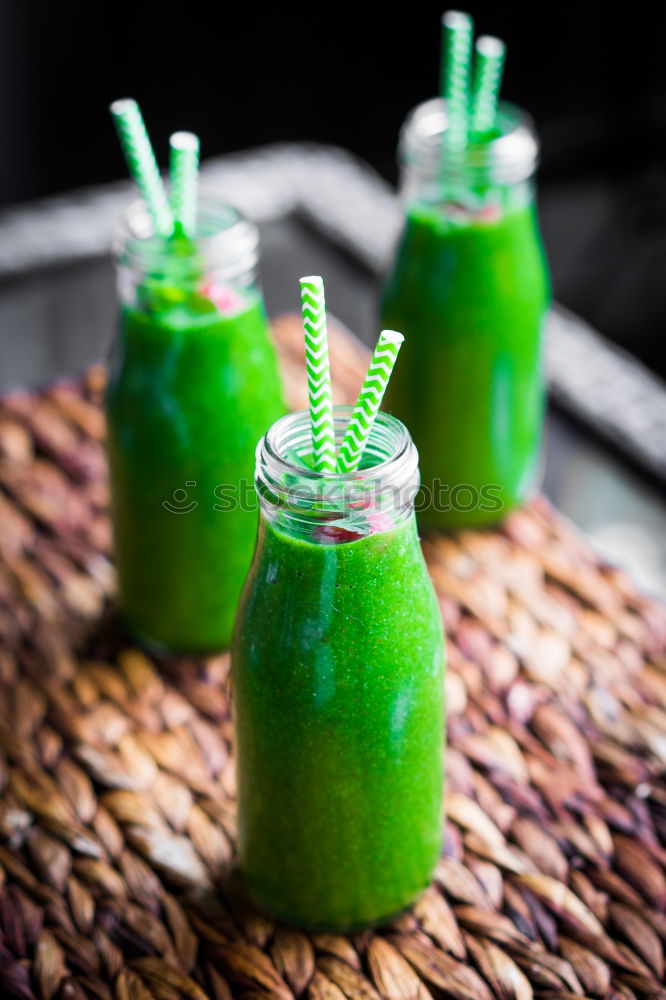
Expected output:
(117, 779)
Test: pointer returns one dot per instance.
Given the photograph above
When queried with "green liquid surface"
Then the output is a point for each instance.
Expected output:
(470, 295)
(338, 688)
(190, 394)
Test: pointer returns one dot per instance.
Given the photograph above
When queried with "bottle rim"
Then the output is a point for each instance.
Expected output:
(509, 157)
(300, 498)
(224, 239)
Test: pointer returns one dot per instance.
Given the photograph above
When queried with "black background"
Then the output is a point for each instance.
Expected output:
(245, 74)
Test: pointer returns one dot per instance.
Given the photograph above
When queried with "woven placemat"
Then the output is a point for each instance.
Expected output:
(117, 780)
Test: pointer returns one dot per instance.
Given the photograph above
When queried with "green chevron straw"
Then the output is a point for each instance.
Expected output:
(183, 171)
(457, 31)
(319, 374)
(489, 64)
(142, 163)
(369, 400)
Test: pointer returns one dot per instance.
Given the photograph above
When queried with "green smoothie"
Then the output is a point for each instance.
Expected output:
(338, 687)
(470, 292)
(192, 388)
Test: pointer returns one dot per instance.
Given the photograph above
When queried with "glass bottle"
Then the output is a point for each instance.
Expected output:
(337, 666)
(469, 288)
(193, 382)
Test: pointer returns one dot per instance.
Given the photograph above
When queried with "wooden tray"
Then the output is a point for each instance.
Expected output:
(117, 809)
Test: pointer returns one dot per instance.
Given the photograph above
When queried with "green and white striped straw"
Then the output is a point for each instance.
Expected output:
(142, 163)
(457, 29)
(319, 374)
(489, 63)
(369, 400)
(184, 175)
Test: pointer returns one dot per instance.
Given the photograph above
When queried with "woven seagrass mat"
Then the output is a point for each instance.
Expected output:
(117, 779)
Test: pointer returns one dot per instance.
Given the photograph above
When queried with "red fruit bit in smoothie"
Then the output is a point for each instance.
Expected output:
(361, 504)
(333, 534)
(490, 213)
(226, 299)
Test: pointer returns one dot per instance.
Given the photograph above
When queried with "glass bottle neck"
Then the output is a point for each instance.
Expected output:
(333, 509)
(494, 171)
(215, 269)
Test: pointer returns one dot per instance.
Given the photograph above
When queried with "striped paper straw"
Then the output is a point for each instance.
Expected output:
(369, 400)
(319, 374)
(142, 163)
(183, 171)
(456, 54)
(488, 68)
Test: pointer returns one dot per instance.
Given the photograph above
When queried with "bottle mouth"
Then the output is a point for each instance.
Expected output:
(508, 155)
(378, 496)
(225, 242)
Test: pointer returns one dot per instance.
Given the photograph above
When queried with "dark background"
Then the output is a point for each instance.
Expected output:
(247, 74)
